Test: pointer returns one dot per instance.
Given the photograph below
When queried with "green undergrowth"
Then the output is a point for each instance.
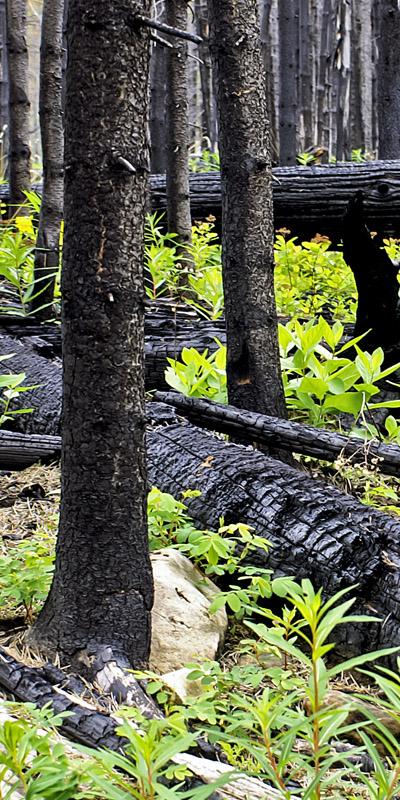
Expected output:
(310, 278)
(267, 705)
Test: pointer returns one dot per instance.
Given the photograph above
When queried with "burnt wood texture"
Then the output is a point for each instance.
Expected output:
(253, 428)
(316, 531)
(102, 593)
(307, 200)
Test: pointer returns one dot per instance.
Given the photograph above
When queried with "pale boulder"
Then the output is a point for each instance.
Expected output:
(183, 631)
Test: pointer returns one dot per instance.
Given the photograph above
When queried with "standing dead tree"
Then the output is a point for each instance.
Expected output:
(98, 609)
(177, 132)
(254, 380)
(47, 253)
(19, 159)
(389, 79)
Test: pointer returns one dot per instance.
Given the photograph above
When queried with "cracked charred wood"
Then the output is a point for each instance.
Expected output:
(44, 374)
(376, 280)
(31, 685)
(20, 450)
(165, 337)
(283, 434)
(316, 531)
(307, 200)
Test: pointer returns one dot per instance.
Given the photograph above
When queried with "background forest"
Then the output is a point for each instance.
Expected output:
(322, 70)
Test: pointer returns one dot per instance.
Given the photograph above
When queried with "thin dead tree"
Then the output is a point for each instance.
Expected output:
(177, 133)
(254, 380)
(19, 158)
(389, 79)
(47, 254)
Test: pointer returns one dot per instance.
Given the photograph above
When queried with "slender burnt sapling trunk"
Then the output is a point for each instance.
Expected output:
(101, 594)
(253, 368)
(389, 79)
(177, 130)
(51, 127)
(19, 159)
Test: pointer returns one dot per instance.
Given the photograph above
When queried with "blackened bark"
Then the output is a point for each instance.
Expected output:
(47, 253)
(317, 532)
(19, 105)
(157, 109)
(101, 594)
(177, 129)
(4, 88)
(376, 280)
(389, 79)
(253, 369)
(288, 70)
(287, 435)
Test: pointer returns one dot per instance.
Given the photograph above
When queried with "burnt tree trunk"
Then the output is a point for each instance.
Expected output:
(157, 107)
(47, 254)
(101, 593)
(389, 79)
(4, 89)
(253, 369)
(19, 159)
(288, 65)
(177, 132)
(376, 280)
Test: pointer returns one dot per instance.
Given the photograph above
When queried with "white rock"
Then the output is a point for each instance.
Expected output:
(179, 683)
(183, 630)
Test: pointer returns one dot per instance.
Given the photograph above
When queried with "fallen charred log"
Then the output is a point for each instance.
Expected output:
(316, 531)
(166, 336)
(307, 200)
(32, 685)
(294, 437)
(20, 450)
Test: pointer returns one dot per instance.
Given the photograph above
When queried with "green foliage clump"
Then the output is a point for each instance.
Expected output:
(26, 569)
(17, 248)
(319, 380)
(205, 161)
(10, 387)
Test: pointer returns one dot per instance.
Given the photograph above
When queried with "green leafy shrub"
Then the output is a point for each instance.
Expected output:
(319, 380)
(205, 161)
(10, 387)
(17, 248)
(199, 374)
(26, 569)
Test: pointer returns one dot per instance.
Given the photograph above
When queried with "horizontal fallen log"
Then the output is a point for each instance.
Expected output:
(283, 434)
(166, 336)
(20, 450)
(307, 200)
(31, 685)
(316, 531)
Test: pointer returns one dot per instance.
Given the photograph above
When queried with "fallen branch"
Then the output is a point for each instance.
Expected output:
(281, 433)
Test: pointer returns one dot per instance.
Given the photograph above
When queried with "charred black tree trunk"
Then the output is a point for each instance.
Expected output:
(376, 280)
(4, 88)
(254, 380)
(19, 159)
(101, 594)
(157, 110)
(47, 253)
(288, 57)
(177, 117)
(389, 79)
